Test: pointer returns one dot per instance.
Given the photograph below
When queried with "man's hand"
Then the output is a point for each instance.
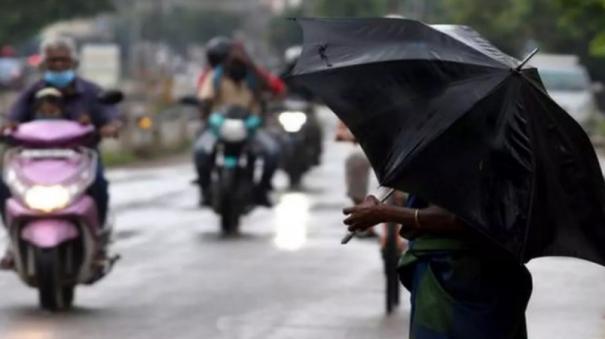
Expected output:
(111, 130)
(365, 215)
(344, 134)
(85, 119)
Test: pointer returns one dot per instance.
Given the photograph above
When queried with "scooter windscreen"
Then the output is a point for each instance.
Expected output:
(234, 124)
(49, 179)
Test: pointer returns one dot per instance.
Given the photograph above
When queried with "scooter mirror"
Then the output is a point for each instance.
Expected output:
(111, 97)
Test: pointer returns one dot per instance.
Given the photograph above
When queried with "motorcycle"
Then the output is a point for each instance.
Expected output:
(52, 223)
(301, 143)
(232, 178)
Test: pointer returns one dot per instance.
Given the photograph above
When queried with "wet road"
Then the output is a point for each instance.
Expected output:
(286, 277)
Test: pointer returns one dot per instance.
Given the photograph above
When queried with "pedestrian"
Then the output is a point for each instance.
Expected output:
(498, 173)
(461, 286)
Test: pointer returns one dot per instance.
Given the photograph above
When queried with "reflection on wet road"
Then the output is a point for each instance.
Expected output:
(291, 218)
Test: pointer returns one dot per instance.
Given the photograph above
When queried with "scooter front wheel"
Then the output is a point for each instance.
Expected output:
(53, 295)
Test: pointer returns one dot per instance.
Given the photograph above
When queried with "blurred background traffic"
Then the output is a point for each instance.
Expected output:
(153, 50)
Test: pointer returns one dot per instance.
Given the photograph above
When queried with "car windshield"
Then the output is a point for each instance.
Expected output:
(565, 80)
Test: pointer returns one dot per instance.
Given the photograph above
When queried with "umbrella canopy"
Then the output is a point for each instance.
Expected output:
(442, 113)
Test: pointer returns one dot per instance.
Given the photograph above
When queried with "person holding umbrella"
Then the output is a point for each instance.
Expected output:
(460, 286)
(499, 174)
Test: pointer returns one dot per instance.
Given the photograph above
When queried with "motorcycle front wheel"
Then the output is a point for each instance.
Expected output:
(229, 204)
(53, 295)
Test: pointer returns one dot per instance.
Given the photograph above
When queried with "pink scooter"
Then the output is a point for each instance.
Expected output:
(52, 223)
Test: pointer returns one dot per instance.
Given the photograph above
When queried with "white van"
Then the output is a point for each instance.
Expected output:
(568, 83)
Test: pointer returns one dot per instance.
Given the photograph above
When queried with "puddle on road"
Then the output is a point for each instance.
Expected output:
(291, 219)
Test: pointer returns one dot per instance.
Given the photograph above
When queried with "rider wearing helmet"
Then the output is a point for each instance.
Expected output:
(217, 51)
(235, 82)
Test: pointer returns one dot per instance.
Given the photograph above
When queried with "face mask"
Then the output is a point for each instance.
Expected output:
(237, 71)
(59, 79)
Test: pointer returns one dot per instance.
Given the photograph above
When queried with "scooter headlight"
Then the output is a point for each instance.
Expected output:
(47, 198)
(292, 121)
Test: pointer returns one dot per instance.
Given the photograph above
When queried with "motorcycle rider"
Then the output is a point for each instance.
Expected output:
(79, 102)
(217, 52)
(235, 83)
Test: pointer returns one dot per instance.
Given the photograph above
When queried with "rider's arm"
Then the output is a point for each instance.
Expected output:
(207, 95)
(433, 219)
(112, 122)
(275, 85)
(106, 118)
(109, 114)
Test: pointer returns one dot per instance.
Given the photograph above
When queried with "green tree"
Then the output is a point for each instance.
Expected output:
(510, 23)
(585, 21)
(22, 19)
(557, 26)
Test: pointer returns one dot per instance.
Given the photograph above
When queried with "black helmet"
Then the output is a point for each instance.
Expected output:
(217, 50)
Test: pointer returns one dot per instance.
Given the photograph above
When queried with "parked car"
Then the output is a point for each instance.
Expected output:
(568, 83)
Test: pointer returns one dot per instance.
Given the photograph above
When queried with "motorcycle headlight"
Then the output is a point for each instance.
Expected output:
(47, 198)
(292, 122)
(233, 130)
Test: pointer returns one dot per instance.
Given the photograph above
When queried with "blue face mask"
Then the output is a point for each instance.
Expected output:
(59, 79)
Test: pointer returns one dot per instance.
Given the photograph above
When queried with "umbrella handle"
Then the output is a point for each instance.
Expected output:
(351, 235)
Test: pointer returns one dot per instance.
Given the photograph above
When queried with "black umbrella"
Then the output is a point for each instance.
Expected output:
(442, 113)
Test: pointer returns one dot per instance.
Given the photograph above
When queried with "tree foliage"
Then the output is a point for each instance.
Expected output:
(510, 24)
(585, 19)
(22, 19)
(556, 26)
